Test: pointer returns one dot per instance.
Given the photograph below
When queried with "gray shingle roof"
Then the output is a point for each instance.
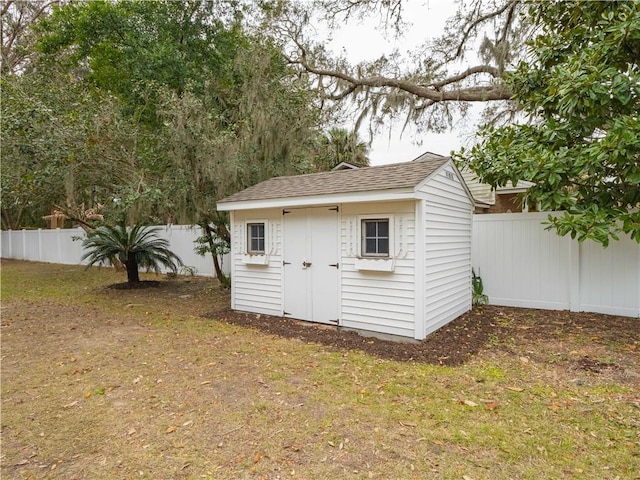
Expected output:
(384, 177)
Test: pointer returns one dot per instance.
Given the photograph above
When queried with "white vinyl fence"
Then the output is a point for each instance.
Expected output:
(59, 246)
(521, 263)
(524, 265)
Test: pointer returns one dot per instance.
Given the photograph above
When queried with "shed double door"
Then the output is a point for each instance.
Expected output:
(311, 264)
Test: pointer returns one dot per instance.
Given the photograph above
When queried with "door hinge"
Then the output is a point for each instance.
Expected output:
(285, 313)
(284, 212)
(285, 263)
(335, 209)
(337, 265)
(336, 321)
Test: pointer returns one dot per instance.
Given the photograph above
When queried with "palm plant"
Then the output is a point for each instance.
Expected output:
(134, 247)
(341, 145)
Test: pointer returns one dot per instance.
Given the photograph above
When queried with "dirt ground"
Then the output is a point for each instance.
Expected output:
(465, 337)
(454, 344)
(165, 382)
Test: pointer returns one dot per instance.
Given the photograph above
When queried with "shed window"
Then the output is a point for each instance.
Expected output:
(375, 237)
(255, 238)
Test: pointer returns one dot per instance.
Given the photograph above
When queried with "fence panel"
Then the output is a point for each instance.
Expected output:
(17, 244)
(6, 244)
(31, 244)
(521, 264)
(50, 252)
(524, 265)
(60, 246)
(609, 277)
(181, 239)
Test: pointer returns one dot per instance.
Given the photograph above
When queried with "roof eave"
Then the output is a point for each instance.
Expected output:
(500, 191)
(327, 199)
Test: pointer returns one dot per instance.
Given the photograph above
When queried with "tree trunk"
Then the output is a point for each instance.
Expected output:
(132, 269)
(222, 278)
(7, 223)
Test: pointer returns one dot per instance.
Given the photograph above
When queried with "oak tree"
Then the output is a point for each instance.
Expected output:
(564, 74)
(217, 106)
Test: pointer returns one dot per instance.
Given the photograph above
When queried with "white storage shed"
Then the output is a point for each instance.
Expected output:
(385, 249)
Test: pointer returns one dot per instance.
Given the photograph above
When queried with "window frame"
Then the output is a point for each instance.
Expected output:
(362, 222)
(250, 237)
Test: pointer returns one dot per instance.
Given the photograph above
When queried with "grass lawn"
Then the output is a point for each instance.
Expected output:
(103, 383)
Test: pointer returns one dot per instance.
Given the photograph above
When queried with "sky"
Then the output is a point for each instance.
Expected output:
(366, 41)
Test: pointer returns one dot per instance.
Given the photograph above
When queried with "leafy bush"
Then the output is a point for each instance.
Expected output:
(477, 290)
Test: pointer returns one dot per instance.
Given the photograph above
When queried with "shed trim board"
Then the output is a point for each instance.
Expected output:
(315, 267)
(421, 330)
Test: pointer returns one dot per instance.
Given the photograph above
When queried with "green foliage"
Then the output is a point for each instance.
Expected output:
(340, 145)
(216, 240)
(477, 290)
(154, 110)
(64, 145)
(581, 90)
(268, 128)
(134, 47)
(133, 247)
(208, 243)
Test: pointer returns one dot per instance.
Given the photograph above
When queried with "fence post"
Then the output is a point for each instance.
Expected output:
(24, 244)
(574, 275)
(58, 249)
(39, 244)
(81, 232)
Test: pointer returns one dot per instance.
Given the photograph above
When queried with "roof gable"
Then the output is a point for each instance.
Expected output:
(345, 166)
(368, 179)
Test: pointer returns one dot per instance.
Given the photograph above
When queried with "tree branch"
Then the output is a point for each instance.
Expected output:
(507, 23)
(428, 92)
(345, 93)
(481, 19)
(493, 71)
(360, 8)
(14, 29)
(5, 7)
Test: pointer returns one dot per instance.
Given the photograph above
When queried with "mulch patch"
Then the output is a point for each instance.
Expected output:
(460, 340)
(137, 285)
(595, 366)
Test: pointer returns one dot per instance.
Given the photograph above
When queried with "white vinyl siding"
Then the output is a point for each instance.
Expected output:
(423, 283)
(372, 300)
(446, 220)
(257, 288)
